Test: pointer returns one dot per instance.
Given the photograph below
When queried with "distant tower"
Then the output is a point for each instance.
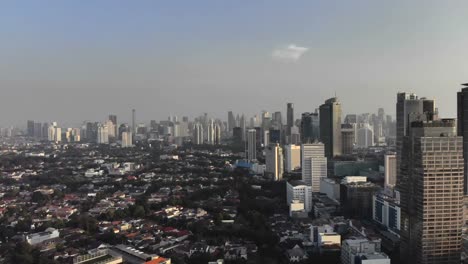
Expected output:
(102, 134)
(133, 121)
(127, 139)
(309, 127)
(252, 144)
(390, 170)
(330, 127)
(289, 118)
(347, 138)
(113, 119)
(274, 161)
(198, 134)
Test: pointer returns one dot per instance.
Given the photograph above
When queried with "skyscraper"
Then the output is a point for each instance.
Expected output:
(314, 164)
(113, 119)
(310, 127)
(293, 157)
(133, 121)
(462, 129)
(102, 134)
(127, 139)
(289, 119)
(330, 127)
(431, 189)
(231, 122)
(347, 138)
(274, 161)
(30, 128)
(198, 134)
(252, 144)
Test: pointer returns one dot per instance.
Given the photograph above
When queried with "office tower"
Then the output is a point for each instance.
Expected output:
(295, 137)
(310, 127)
(123, 128)
(275, 136)
(45, 131)
(38, 130)
(252, 145)
(356, 195)
(387, 211)
(111, 128)
(113, 119)
(409, 108)
(330, 127)
(231, 122)
(266, 138)
(127, 139)
(347, 138)
(210, 132)
(390, 170)
(266, 120)
(237, 136)
(91, 131)
(365, 136)
(462, 129)
(277, 120)
(102, 134)
(314, 164)
(292, 157)
(198, 134)
(299, 190)
(217, 133)
(274, 161)
(76, 135)
(431, 192)
(54, 133)
(133, 121)
(242, 126)
(30, 128)
(289, 119)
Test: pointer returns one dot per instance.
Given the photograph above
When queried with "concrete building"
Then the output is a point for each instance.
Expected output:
(102, 134)
(274, 161)
(387, 211)
(292, 157)
(37, 238)
(331, 188)
(198, 134)
(362, 250)
(365, 136)
(310, 127)
(314, 164)
(431, 193)
(462, 129)
(127, 139)
(298, 190)
(390, 170)
(330, 127)
(356, 198)
(348, 138)
(251, 145)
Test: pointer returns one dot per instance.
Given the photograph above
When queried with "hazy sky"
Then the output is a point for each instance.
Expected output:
(75, 60)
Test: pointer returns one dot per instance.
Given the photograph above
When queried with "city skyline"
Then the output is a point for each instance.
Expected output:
(169, 58)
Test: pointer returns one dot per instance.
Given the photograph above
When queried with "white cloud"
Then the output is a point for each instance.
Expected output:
(289, 53)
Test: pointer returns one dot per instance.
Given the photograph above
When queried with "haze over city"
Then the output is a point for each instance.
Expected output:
(70, 61)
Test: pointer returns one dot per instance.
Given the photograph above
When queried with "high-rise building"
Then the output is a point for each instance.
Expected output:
(277, 120)
(362, 250)
(292, 157)
(356, 197)
(365, 136)
(330, 127)
(30, 128)
(347, 138)
(231, 122)
(210, 132)
(237, 136)
(38, 130)
(102, 134)
(113, 119)
(252, 145)
(54, 133)
(314, 164)
(462, 129)
(127, 139)
(431, 192)
(390, 170)
(198, 134)
(217, 133)
(133, 121)
(310, 127)
(274, 161)
(289, 118)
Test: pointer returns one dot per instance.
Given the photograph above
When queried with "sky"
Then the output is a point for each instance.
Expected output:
(70, 61)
